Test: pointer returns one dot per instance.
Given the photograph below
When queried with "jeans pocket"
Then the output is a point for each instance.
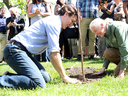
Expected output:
(9, 52)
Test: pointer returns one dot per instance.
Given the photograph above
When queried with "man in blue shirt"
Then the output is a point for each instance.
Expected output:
(86, 8)
(3, 35)
(34, 40)
(125, 8)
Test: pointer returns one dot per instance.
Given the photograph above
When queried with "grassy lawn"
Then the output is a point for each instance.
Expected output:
(108, 86)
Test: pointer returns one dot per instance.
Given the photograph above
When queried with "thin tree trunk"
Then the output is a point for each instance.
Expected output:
(6, 2)
(80, 40)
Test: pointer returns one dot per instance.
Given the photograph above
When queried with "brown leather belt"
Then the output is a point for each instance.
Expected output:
(18, 44)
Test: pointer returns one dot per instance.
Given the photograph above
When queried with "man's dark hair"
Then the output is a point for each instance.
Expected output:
(2, 8)
(68, 8)
(58, 2)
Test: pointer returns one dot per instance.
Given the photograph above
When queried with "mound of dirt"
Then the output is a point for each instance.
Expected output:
(77, 73)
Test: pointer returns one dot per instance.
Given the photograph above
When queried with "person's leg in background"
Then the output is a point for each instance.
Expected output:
(86, 44)
(37, 57)
(61, 42)
(3, 42)
(44, 56)
(67, 53)
(74, 47)
(83, 27)
(91, 46)
(70, 48)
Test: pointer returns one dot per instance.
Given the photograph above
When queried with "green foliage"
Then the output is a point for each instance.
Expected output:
(2, 4)
(21, 4)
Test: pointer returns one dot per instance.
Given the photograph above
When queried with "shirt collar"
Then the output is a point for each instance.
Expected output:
(2, 17)
(108, 30)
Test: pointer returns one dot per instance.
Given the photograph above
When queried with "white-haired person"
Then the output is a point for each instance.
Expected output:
(14, 24)
(116, 35)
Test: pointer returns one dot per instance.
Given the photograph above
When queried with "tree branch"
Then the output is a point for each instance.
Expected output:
(6, 2)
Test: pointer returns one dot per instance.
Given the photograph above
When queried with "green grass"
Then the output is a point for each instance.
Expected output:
(108, 86)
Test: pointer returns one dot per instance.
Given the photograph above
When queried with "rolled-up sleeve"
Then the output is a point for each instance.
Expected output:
(53, 38)
(106, 63)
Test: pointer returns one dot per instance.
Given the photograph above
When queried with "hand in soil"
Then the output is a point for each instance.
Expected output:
(101, 72)
(71, 80)
(98, 73)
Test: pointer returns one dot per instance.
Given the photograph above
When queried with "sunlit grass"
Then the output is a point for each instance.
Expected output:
(108, 86)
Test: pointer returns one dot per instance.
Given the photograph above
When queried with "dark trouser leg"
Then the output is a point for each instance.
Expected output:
(25, 65)
(113, 55)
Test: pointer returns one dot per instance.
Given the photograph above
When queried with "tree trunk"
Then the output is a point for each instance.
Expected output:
(6, 2)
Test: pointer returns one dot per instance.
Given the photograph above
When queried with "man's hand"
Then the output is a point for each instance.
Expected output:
(121, 74)
(14, 24)
(70, 80)
(57, 63)
(101, 72)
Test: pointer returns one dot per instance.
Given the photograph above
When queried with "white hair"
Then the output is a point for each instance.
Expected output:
(12, 9)
(96, 22)
(17, 10)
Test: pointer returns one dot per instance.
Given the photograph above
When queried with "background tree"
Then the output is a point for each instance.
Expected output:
(21, 4)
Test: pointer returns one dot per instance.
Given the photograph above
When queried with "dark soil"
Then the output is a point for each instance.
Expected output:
(88, 77)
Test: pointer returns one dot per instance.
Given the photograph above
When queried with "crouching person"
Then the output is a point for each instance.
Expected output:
(116, 35)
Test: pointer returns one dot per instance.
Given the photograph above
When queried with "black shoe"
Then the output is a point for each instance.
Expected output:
(6, 73)
(91, 57)
(79, 58)
(68, 58)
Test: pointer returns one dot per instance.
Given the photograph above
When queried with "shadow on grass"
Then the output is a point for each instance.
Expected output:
(109, 72)
(90, 78)
(56, 80)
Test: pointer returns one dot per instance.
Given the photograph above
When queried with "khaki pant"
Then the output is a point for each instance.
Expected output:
(74, 47)
(3, 42)
(84, 24)
(113, 55)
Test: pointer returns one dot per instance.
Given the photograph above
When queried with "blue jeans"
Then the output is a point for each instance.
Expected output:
(30, 72)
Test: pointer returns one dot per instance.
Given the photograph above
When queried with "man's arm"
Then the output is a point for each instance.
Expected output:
(125, 3)
(57, 63)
